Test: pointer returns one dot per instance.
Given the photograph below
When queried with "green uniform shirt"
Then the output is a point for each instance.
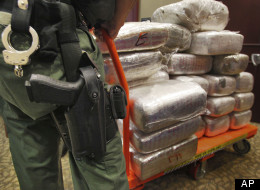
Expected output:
(12, 88)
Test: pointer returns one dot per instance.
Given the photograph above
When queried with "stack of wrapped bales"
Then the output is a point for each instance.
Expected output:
(205, 69)
(244, 100)
(140, 45)
(165, 114)
(164, 119)
(214, 55)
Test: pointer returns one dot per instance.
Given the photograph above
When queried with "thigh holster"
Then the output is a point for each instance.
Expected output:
(90, 109)
(86, 118)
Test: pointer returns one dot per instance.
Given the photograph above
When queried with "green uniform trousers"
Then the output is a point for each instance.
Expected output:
(34, 140)
(34, 146)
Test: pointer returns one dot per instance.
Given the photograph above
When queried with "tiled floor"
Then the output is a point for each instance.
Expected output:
(223, 169)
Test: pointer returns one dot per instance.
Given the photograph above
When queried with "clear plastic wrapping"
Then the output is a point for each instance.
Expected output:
(190, 78)
(240, 119)
(230, 64)
(179, 39)
(219, 106)
(150, 142)
(162, 104)
(136, 66)
(184, 64)
(196, 15)
(216, 126)
(216, 43)
(244, 101)
(245, 82)
(220, 85)
(156, 77)
(139, 36)
(201, 130)
(148, 165)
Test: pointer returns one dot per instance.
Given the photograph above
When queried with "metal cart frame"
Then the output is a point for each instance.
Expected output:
(207, 146)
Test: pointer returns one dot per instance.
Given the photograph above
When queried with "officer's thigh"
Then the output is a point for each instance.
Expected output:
(34, 145)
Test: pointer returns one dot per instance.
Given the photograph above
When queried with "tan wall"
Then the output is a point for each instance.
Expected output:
(147, 7)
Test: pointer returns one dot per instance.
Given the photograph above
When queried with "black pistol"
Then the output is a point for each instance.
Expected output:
(43, 89)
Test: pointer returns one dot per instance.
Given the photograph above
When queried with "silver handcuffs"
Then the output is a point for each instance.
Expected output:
(15, 57)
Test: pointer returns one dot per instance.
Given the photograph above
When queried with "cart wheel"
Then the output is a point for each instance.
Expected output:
(199, 170)
(242, 147)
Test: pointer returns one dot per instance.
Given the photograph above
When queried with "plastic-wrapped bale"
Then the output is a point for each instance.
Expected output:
(148, 165)
(244, 82)
(166, 58)
(220, 85)
(240, 119)
(216, 43)
(139, 36)
(219, 106)
(150, 142)
(135, 65)
(244, 101)
(157, 77)
(184, 64)
(230, 64)
(197, 79)
(196, 15)
(216, 126)
(201, 130)
(162, 104)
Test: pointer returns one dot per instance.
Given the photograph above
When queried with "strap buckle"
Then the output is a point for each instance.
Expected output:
(15, 57)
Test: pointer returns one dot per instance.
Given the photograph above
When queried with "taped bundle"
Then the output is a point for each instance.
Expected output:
(157, 77)
(184, 64)
(135, 65)
(230, 64)
(148, 165)
(244, 82)
(197, 79)
(150, 142)
(159, 105)
(139, 36)
(201, 130)
(220, 85)
(216, 43)
(219, 106)
(244, 101)
(216, 126)
(179, 39)
(196, 15)
(240, 119)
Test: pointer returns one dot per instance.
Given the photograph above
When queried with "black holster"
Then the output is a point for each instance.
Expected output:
(86, 119)
(89, 123)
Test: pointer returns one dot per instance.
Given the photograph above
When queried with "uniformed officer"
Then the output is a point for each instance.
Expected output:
(34, 139)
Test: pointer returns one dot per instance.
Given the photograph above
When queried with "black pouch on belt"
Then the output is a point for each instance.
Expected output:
(86, 119)
(118, 101)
